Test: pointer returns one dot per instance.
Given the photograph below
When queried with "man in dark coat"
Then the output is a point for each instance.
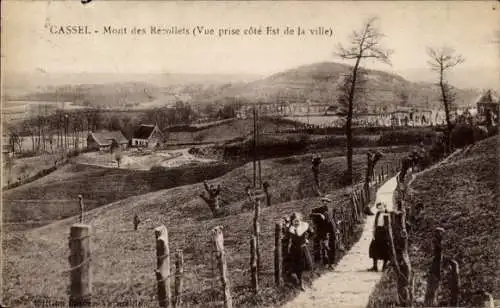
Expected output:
(325, 233)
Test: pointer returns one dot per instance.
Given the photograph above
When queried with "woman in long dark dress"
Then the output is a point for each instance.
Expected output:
(298, 252)
(379, 247)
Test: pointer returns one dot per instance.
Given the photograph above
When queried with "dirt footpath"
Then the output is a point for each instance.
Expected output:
(349, 284)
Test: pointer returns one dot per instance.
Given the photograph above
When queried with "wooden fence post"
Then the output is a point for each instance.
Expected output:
(256, 229)
(344, 226)
(163, 266)
(278, 254)
(435, 270)
(392, 247)
(79, 259)
(218, 238)
(253, 264)
(403, 258)
(454, 283)
(361, 205)
(82, 208)
(354, 205)
(179, 273)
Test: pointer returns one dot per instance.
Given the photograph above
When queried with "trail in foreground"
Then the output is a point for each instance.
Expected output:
(350, 283)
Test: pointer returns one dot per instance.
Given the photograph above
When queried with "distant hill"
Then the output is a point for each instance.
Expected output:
(319, 82)
(116, 90)
(316, 82)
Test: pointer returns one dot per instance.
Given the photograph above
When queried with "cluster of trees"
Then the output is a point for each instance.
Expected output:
(51, 132)
(64, 130)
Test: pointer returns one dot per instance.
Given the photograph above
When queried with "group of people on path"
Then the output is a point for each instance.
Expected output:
(299, 234)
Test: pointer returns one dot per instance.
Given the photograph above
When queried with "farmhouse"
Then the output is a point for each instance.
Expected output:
(148, 136)
(107, 140)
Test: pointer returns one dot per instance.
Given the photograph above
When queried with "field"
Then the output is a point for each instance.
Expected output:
(20, 110)
(55, 196)
(27, 167)
(226, 131)
(123, 260)
(462, 197)
(135, 160)
(316, 120)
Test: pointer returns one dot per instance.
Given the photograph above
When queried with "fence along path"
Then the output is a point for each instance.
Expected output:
(350, 283)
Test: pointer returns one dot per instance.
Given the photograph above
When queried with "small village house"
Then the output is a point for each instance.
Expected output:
(147, 136)
(107, 141)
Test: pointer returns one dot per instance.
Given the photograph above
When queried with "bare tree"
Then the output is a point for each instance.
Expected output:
(363, 45)
(213, 199)
(442, 60)
(404, 97)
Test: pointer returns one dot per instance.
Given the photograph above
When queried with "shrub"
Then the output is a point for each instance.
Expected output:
(405, 137)
(492, 131)
(437, 150)
(465, 134)
(73, 153)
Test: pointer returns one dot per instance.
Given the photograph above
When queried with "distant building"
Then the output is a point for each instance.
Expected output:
(107, 141)
(147, 136)
(488, 102)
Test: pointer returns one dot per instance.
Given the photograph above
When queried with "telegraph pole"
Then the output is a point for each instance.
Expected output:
(254, 146)
(258, 139)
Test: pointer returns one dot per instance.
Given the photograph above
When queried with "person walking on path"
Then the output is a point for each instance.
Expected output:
(379, 247)
(325, 233)
(300, 257)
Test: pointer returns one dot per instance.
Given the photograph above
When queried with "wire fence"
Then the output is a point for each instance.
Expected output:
(145, 289)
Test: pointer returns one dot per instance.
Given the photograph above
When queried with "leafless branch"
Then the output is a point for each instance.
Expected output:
(365, 44)
(441, 59)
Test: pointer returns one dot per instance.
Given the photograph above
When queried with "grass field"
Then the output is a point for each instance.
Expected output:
(226, 131)
(55, 196)
(124, 260)
(135, 160)
(27, 167)
(462, 197)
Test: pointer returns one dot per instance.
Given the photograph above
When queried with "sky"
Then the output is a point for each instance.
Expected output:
(28, 45)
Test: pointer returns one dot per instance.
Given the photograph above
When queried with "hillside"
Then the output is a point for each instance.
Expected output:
(460, 196)
(318, 83)
(123, 260)
(55, 196)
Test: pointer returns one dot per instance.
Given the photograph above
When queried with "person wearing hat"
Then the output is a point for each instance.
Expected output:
(298, 235)
(379, 247)
(325, 233)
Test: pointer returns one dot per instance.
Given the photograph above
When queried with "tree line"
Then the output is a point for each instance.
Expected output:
(62, 129)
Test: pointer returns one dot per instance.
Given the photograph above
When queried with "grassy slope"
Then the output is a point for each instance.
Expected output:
(462, 197)
(28, 166)
(226, 131)
(124, 260)
(55, 196)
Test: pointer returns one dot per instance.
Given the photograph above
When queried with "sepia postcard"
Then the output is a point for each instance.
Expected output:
(250, 154)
